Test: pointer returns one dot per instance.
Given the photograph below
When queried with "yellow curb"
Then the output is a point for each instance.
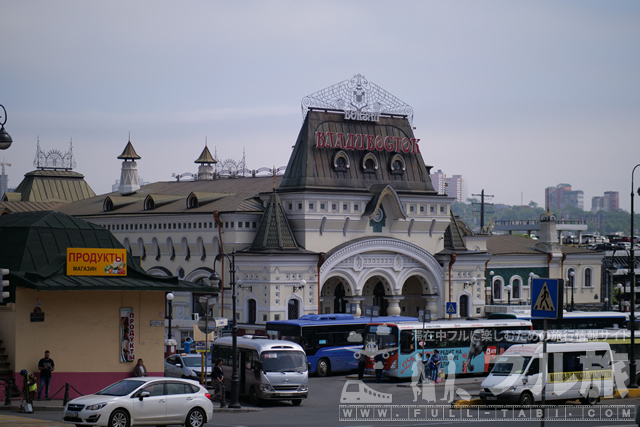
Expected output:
(633, 393)
(471, 402)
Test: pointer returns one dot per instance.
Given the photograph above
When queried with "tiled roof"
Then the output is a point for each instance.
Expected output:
(311, 167)
(228, 195)
(453, 237)
(53, 185)
(12, 207)
(34, 250)
(511, 245)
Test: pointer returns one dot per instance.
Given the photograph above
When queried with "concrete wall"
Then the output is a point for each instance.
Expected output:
(82, 331)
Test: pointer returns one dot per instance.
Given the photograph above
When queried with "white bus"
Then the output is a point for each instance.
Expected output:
(267, 369)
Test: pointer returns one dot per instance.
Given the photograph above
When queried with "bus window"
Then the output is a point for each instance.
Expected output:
(407, 342)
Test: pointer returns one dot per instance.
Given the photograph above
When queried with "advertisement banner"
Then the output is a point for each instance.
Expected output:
(127, 335)
(96, 262)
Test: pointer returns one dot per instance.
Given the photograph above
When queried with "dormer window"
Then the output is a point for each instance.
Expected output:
(397, 165)
(370, 163)
(341, 161)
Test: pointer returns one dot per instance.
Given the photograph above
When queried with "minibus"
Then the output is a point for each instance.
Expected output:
(267, 369)
(575, 371)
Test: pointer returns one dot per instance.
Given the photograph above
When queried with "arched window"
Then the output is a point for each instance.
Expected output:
(293, 308)
(588, 278)
(497, 289)
(516, 285)
(252, 312)
(464, 306)
(339, 303)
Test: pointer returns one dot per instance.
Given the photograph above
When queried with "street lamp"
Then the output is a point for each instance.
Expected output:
(169, 298)
(606, 304)
(215, 279)
(632, 283)
(5, 138)
(572, 279)
(508, 289)
(470, 284)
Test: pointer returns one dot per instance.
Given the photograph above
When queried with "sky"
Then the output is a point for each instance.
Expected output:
(515, 96)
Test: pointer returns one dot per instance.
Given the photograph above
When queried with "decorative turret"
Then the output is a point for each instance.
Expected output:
(548, 240)
(129, 182)
(206, 160)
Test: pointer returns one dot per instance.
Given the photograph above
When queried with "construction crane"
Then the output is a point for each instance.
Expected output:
(3, 163)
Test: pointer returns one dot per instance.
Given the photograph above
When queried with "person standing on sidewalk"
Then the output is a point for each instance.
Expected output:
(219, 382)
(29, 386)
(46, 367)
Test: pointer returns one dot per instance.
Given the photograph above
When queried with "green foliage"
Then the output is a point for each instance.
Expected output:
(601, 222)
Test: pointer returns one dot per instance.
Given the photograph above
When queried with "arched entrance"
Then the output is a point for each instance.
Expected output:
(293, 308)
(414, 290)
(464, 306)
(252, 311)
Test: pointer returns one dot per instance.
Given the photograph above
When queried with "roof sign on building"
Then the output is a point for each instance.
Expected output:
(96, 262)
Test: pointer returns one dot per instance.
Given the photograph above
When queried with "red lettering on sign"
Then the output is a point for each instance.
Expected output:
(350, 144)
(416, 148)
(320, 142)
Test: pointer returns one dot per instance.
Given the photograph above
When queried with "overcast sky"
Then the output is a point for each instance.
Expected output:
(515, 96)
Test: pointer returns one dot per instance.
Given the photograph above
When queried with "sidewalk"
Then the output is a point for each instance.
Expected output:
(56, 405)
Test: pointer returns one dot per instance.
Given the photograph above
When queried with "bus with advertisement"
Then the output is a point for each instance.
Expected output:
(329, 340)
(472, 342)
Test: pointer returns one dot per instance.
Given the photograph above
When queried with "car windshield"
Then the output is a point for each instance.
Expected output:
(121, 388)
(192, 362)
(507, 365)
(283, 361)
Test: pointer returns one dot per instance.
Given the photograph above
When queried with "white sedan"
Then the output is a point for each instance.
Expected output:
(143, 401)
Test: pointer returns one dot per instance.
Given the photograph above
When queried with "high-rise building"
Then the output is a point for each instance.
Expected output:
(562, 196)
(610, 202)
(456, 188)
(439, 182)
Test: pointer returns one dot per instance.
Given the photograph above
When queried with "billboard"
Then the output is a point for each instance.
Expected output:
(96, 262)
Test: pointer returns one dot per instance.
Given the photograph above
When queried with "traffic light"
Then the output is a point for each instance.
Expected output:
(4, 283)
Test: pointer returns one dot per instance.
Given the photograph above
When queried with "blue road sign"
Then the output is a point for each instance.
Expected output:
(451, 308)
(546, 298)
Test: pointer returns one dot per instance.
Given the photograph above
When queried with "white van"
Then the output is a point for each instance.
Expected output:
(267, 369)
(576, 371)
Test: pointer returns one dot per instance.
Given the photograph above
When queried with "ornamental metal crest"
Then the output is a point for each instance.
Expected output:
(54, 159)
(359, 99)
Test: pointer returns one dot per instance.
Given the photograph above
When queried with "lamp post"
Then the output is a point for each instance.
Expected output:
(606, 304)
(632, 284)
(5, 138)
(169, 298)
(215, 279)
(572, 279)
(508, 289)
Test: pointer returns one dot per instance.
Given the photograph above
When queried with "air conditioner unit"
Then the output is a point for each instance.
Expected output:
(195, 316)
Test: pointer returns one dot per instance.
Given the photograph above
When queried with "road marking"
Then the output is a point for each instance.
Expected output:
(17, 421)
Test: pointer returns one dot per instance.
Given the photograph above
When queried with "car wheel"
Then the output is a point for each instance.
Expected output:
(253, 397)
(526, 399)
(119, 418)
(296, 402)
(592, 397)
(196, 418)
(324, 367)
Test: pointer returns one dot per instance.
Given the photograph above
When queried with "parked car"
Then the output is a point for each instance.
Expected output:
(186, 366)
(143, 401)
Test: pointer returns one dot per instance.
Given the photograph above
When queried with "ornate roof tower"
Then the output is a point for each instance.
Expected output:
(129, 182)
(206, 160)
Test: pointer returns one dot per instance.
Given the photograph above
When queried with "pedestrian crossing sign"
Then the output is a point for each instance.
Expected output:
(451, 308)
(546, 298)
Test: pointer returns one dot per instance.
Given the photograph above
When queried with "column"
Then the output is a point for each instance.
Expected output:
(394, 305)
(356, 300)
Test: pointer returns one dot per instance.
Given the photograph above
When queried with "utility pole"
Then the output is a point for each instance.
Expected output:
(482, 206)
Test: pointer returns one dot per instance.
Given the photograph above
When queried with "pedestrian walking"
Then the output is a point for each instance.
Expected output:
(435, 360)
(219, 383)
(46, 367)
(362, 364)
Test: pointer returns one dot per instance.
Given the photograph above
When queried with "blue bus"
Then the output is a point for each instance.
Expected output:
(329, 340)
(572, 320)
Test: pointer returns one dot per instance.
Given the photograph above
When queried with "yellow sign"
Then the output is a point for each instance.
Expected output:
(578, 376)
(96, 262)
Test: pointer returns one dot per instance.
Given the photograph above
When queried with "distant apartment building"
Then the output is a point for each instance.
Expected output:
(610, 202)
(453, 186)
(562, 196)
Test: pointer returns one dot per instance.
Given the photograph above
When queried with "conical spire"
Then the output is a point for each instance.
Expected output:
(206, 157)
(129, 152)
